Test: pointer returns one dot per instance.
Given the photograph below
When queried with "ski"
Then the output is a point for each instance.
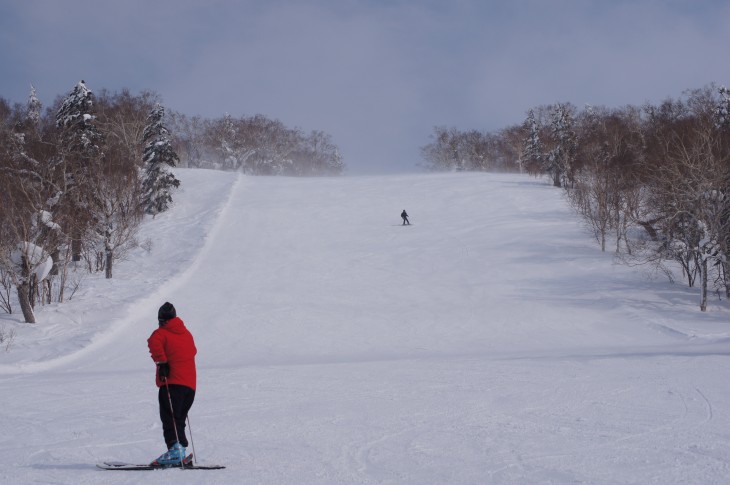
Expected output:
(187, 465)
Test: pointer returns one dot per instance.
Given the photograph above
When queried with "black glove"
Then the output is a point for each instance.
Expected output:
(163, 370)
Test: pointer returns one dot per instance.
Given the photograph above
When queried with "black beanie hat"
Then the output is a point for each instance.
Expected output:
(166, 312)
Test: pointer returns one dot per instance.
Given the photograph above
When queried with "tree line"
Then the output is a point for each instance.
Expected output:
(652, 182)
(77, 179)
(255, 145)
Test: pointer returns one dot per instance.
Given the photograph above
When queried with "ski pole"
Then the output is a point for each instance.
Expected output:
(192, 442)
(174, 424)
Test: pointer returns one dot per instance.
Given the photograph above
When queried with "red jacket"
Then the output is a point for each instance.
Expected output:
(174, 344)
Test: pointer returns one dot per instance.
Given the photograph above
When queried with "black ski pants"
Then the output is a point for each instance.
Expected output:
(182, 398)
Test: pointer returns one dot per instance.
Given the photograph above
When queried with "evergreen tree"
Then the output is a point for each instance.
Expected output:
(722, 110)
(158, 181)
(80, 136)
(560, 160)
(34, 108)
(532, 150)
(80, 149)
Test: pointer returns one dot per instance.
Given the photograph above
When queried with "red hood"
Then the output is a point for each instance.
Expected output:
(174, 325)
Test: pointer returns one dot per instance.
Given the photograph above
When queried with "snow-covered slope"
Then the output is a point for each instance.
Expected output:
(489, 342)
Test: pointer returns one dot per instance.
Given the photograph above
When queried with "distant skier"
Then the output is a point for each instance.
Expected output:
(404, 216)
(173, 350)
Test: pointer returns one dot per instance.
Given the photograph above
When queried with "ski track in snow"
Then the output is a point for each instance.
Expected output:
(490, 342)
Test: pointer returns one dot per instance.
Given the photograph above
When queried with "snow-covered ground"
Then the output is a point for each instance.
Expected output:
(489, 342)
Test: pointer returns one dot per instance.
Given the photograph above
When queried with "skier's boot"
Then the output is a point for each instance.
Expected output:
(173, 457)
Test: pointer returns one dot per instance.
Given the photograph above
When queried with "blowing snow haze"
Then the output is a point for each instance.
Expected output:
(377, 76)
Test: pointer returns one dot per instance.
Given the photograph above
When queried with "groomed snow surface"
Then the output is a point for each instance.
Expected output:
(491, 342)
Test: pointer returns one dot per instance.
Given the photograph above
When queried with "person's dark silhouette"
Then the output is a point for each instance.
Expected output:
(404, 216)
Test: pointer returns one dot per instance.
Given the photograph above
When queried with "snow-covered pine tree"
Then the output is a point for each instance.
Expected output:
(157, 180)
(229, 142)
(559, 162)
(532, 149)
(722, 121)
(33, 113)
(76, 121)
(80, 150)
(722, 110)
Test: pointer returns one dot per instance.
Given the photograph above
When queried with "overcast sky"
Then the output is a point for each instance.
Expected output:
(377, 75)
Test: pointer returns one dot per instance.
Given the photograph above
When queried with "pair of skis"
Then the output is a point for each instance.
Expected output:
(187, 464)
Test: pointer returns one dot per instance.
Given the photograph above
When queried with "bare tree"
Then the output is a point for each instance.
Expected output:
(116, 214)
(690, 186)
(473, 150)
(22, 220)
(122, 118)
(317, 155)
(605, 189)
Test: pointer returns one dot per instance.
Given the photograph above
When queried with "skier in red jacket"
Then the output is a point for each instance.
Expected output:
(173, 350)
